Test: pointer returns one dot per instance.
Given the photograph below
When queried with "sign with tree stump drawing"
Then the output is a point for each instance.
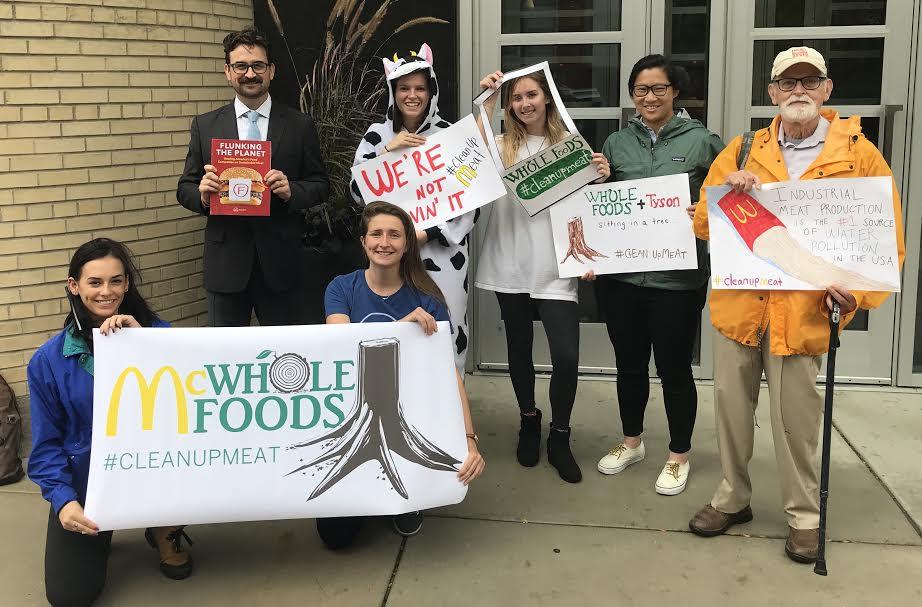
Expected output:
(626, 226)
(208, 425)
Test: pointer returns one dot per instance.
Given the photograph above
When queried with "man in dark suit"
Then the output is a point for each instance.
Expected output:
(256, 263)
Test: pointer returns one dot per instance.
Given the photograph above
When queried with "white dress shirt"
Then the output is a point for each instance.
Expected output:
(243, 123)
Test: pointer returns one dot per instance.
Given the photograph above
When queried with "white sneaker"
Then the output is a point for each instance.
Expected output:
(673, 478)
(620, 458)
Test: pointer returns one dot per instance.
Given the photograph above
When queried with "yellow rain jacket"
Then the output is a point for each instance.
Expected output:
(798, 319)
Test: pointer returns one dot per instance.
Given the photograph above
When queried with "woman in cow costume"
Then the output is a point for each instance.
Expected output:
(412, 115)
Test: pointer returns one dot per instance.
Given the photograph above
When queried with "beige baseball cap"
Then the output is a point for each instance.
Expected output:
(795, 55)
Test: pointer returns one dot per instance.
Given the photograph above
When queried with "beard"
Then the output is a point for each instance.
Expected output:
(251, 93)
(792, 111)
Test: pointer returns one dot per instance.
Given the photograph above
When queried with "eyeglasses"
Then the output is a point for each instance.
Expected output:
(258, 67)
(811, 83)
(658, 89)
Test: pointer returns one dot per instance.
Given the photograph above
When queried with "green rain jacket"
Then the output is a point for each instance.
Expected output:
(683, 145)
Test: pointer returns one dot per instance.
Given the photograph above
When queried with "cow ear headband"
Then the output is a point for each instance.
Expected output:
(423, 54)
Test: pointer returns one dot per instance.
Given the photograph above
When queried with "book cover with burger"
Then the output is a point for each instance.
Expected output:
(241, 166)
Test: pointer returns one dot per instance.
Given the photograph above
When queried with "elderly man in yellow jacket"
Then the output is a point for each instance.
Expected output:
(783, 333)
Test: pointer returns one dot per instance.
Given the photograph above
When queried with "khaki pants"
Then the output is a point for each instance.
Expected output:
(796, 408)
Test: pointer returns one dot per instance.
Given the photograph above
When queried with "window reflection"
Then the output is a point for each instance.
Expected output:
(595, 132)
(805, 13)
(586, 74)
(690, 52)
(543, 16)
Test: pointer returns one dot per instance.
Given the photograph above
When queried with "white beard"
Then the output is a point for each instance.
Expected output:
(799, 113)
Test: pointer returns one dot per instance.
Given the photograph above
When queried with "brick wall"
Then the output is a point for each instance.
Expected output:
(96, 97)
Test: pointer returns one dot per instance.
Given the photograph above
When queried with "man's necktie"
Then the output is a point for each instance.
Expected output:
(253, 132)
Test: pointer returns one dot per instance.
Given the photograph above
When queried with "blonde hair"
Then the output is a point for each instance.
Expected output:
(515, 134)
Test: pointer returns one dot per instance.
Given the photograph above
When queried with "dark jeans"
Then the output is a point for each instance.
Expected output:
(639, 318)
(300, 305)
(561, 324)
(75, 564)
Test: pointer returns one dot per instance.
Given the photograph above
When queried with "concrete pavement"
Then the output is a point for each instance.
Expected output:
(523, 537)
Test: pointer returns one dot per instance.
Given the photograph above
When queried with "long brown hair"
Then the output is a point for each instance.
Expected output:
(412, 270)
(515, 133)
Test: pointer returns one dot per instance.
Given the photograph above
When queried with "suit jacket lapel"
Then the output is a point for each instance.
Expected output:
(276, 125)
(227, 124)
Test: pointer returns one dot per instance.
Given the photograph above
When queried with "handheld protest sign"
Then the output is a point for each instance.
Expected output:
(552, 173)
(630, 226)
(451, 174)
(208, 425)
(805, 236)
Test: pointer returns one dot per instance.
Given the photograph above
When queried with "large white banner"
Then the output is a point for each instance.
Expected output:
(257, 423)
(627, 226)
(553, 173)
(805, 236)
(447, 176)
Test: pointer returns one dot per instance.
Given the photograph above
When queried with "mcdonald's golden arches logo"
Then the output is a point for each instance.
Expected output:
(744, 215)
(148, 397)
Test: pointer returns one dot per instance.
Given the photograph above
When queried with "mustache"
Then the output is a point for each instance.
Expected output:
(799, 98)
(256, 80)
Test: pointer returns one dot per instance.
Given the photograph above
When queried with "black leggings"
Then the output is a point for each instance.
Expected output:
(75, 564)
(641, 317)
(561, 324)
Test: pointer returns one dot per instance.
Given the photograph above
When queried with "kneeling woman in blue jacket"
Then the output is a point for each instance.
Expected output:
(102, 289)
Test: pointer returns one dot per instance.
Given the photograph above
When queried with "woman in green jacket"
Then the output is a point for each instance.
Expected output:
(658, 310)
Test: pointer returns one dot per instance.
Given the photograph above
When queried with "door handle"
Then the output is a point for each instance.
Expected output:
(886, 145)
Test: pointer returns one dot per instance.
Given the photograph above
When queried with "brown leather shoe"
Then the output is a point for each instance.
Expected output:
(802, 545)
(709, 521)
(175, 562)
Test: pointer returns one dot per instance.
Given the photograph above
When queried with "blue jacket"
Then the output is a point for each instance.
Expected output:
(61, 401)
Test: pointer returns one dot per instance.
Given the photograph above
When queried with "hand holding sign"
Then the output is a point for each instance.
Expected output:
(210, 184)
(278, 184)
(404, 139)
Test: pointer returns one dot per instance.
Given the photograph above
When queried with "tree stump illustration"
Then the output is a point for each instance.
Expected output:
(578, 246)
(376, 426)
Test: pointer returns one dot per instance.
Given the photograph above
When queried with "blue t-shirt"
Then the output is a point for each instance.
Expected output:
(350, 294)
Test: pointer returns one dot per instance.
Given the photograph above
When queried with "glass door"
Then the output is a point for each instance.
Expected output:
(867, 50)
(591, 46)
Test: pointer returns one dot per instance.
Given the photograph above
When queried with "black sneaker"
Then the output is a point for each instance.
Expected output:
(408, 523)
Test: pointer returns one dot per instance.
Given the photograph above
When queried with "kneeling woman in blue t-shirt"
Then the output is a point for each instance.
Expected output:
(394, 288)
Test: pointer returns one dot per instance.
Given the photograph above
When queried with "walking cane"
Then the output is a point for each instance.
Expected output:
(820, 567)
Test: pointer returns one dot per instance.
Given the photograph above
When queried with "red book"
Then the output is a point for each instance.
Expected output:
(241, 166)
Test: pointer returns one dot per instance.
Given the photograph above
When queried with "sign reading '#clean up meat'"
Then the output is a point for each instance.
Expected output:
(233, 424)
